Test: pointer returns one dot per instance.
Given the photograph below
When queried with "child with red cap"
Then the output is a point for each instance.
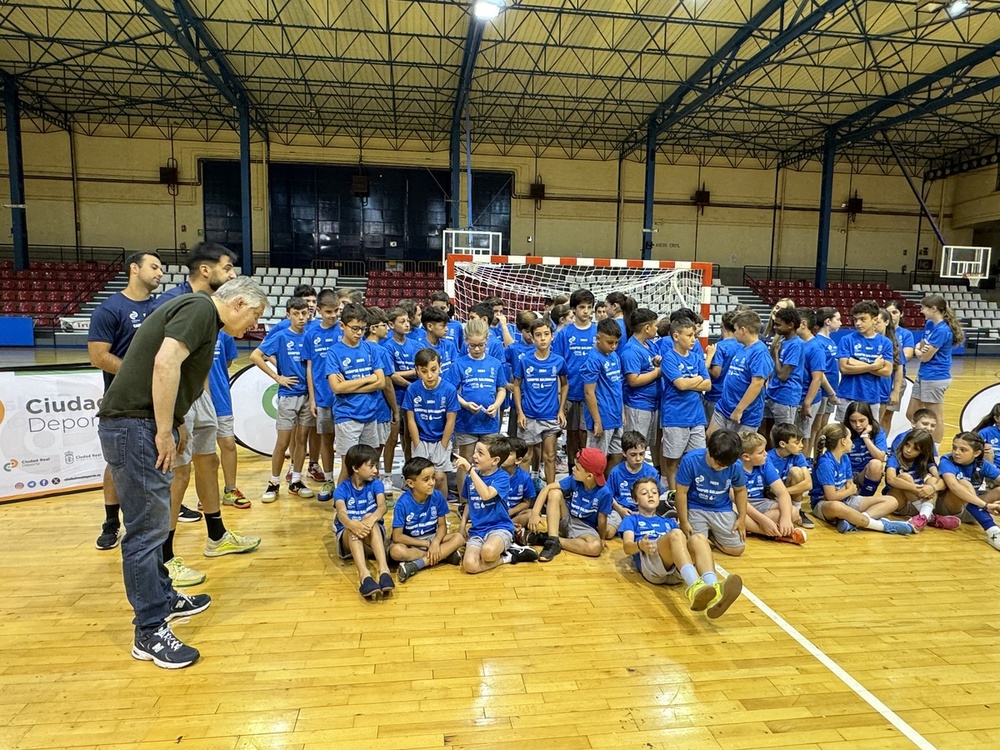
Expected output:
(584, 517)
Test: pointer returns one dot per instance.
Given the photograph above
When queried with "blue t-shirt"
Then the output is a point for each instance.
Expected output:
(905, 339)
(985, 469)
(709, 489)
(446, 350)
(645, 527)
(681, 408)
(860, 456)
(521, 488)
(489, 515)
(898, 441)
(784, 465)
(286, 347)
(814, 361)
(788, 392)
(605, 372)
(540, 385)
(586, 504)
(620, 480)
(402, 358)
(759, 478)
(623, 338)
(990, 435)
(937, 367)
(830, 471)
(637, 359)
(354, 363)
(218, 376)
(864, 386)
(478, 381)
(418, 519)
(430, 408)
(383, 413)
(318, 343)
(892, 462)
(573, 345)
(359, 502)
(516, 351)
(456, 335)
(183, 288)
(750, 362)
(832, 363)
(115, 322)
(725, 350)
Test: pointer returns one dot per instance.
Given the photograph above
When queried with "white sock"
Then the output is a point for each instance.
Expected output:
(874, 524)
(926, 510)
(275, 480)
(328, 476)
(296, 477)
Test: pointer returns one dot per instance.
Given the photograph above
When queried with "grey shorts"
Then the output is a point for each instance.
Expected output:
(352, 433)
(226, 428)
(763, 504)
(437, 454)
(324, 420)
(345, 552)
(614, 520)
(202, 429)
(469, 438)
(930, 391)
(717, 525)
(854, 501)
(725, 423)
(841, 410)
(577, 528)
(609, 443)
(536, 430)
(382, 430)
(780, 413)
(806, 423)
(293, 410)
(643, 422)
(826, 406)
(651, 568)
(677, 441)
(479, 541)
(574, 415)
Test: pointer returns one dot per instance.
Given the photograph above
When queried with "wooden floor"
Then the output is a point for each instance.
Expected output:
(574, 654)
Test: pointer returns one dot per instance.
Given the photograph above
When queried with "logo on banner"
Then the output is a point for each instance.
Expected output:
(269, 401)
(69, 458)
(11, 465)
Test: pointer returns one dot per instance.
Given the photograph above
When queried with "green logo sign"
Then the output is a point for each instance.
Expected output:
(267, 401)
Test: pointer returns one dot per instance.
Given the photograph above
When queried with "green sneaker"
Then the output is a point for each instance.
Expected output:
(231, 544)
(726, 593)
(181, 575)
(236, 499)
(326, 492)
(699, 594)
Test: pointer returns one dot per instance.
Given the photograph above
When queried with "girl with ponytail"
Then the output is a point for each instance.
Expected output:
(941, 333)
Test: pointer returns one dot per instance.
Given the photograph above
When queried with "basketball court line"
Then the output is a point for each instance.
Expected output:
(860, 690)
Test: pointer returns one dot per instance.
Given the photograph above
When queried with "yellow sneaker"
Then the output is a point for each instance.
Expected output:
(181, 575)
(726, 593)
(236, 499)
(231, 544)
(699, 594)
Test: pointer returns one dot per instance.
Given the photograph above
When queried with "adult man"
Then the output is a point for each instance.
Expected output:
(142, 430)
(112, 327)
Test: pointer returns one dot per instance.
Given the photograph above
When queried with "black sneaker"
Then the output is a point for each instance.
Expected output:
(519, 554)
(405, 570)
(550, 550)
(111, 535)
(370, 589)
(186, 604)
(164, 649)
(805, 521)
(385, 584)
(537, 538)
(455, 558)
(188, 516)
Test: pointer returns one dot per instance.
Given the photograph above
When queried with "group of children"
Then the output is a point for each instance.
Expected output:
(733, 429)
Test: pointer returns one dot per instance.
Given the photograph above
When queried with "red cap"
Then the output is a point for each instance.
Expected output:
(595, 462)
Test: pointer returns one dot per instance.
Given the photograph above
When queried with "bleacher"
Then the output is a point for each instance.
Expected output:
(47, 291)
(386, 287)
(979, 318)
(840, 295)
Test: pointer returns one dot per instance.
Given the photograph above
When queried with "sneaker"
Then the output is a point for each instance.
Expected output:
(288, 476)
(385, 584)
(519, 554)
(185, 605)
(539, 484)
(901, 528)
(236, 499)
(326, 492)
(845, 527)
(993, 537)
(231, 544)
(700, 595)
(727, 592)
(271, 493)
(111, 535)
(537, 538)
(550, 549)
(406, 570)
(798, 536)
(181, 575)
(520, 536)
(316, 474)
(298, 488)
(369, 589)
(164, 649)
(455, 558)
(562, 466)
(918, 523)
(188, 516)
(805, 521)
(945, 522)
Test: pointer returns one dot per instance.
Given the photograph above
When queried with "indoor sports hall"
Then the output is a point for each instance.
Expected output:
(714, 155)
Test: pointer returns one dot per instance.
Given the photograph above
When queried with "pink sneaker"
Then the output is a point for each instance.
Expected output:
(316, 474)
(918, 522)
(946, 522)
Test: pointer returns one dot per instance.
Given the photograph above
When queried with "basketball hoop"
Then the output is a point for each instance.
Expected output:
(973, 279)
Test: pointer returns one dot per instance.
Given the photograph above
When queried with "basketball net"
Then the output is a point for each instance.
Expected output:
(973, 279)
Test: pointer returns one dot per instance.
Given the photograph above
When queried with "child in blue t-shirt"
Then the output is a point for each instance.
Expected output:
(725, 350)
(222, 400)
(522, 486)
(868, 447)
(784, 388)
(574, 342)
(641, 366)
(603, 393)
(941, 333)
(320, 336)
(359, 503)
(403, 350)
(770, 511)
(827, 323)
(865, 357)
(741, 405)
(793, 470)
(709, 481)
(623, 476)
(431, 405)
(911, 476)
(685, 379)
(989, 430)
(662, 554)
(420, 536)
(586, 512)
(435, 329)
(964, 472)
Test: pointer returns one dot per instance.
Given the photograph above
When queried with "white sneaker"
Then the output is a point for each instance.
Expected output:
(993, 537)
(181, 575)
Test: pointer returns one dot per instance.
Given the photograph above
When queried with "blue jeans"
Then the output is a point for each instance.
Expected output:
(144, 495)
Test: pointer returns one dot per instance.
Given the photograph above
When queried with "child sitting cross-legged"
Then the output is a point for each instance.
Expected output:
(420, 535)
(773, 516)
(522, 487)
(911, 476)
(662, 554)
(623, 476)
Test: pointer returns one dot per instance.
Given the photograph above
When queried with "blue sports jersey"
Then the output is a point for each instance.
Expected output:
(383, 413)
(354, 363)
(708, 489)
(521, 488)
(623, 338)
(814, 361)
(991, 436)
(286, 347)
(516, 351)
(620, 480)
(751, 362)
(115, 322)
(892, 462)
(477, 381)
(605, 372)
(430, 408)
(183, 288)
(402, 359)
(218, 376)
(318, 343)
(359, 502)
(681, 408)
(760, 478)
(984, 469)
(905, 339)
(456, 335)
(540, 385)
(788, 392)
(937, 367)
(832, 362)
(645, 527)
(784, 465)
(419, 519)
(586, 504)
(446, 351)
(859, 454)
(725, 350)
(573, 345)
(489, 515)
(637, 359)
(865, 386)
(898, 441)
(417, 335)
(830, 471)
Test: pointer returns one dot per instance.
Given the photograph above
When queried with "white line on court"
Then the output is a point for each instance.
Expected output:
(911, 734)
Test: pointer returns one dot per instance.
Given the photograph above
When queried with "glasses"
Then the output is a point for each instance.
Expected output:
(475, 346)
(357, 329)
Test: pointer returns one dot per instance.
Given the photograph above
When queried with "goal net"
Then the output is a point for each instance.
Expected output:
(524, 282)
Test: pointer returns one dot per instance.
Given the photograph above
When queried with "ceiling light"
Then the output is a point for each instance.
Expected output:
(956, 7)
(488, 9)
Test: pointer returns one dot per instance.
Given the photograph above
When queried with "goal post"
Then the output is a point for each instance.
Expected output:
(524, 281)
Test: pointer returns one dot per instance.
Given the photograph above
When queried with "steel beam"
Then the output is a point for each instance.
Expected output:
(473, 40)
(246, 199)
(15, 166)
(825, 208)
(916, 193)
(648, 193)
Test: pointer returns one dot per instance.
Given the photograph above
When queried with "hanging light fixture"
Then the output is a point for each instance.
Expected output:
(488, 9)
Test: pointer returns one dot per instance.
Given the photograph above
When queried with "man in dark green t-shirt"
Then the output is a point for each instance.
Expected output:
(142, 428)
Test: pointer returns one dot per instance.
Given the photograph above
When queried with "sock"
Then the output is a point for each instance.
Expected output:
(926, 510)
(216, 529)
(296, 477)
(421, 563)
(229, 488)
(168, 547)
(111, 512)
(874, 524)
(710, 578)
(689, 574)
(868, 486)
(328, 476)
(312, 465)
(982, 516)
(275, 480)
